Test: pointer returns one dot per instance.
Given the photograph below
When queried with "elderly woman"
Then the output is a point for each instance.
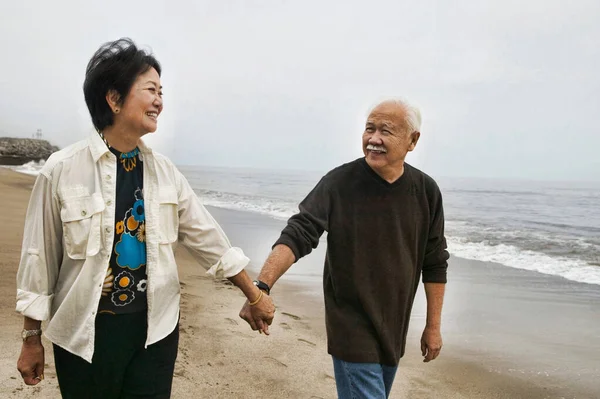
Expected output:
(97, 260)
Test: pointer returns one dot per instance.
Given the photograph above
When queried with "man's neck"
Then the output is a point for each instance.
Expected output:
(390, 173)
(122, 140)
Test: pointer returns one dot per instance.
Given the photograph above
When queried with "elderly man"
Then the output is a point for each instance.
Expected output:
(385, 227)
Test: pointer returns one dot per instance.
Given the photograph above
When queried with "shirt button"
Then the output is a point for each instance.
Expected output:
(107, 156)
(107, 177)
(109, 202)
(83, 213)
(93, 313)
(107, 229)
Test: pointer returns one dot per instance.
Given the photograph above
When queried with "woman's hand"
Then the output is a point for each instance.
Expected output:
(31, 361)
(259, 316)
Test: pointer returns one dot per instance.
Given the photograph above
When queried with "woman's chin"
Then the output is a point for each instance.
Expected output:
(150, 129)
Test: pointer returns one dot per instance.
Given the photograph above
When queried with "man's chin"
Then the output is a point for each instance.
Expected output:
(375, 162)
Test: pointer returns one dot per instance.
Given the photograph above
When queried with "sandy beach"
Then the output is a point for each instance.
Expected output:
(508, 333)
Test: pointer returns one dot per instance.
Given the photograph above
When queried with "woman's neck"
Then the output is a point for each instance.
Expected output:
(122, 140)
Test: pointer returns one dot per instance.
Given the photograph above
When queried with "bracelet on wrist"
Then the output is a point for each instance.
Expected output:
(257, 299)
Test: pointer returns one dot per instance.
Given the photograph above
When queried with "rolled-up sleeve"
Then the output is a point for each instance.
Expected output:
(41, 253)
(202, 235)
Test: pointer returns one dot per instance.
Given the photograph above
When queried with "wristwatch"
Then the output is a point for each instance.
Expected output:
(29, 333)
(262, 286)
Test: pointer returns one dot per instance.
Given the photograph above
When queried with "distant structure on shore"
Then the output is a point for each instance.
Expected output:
(17, 151)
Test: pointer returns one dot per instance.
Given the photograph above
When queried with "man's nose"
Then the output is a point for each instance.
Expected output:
(375, 138)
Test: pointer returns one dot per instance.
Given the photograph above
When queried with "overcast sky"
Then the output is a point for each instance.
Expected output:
(507, 88)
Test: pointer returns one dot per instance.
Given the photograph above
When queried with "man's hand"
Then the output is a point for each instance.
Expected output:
(431, 343)
(259, 316)
(31, 361)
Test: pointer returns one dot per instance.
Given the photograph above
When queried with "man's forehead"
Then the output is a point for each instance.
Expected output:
(383, 118)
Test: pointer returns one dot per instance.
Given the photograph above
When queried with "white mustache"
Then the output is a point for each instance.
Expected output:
(372, 147)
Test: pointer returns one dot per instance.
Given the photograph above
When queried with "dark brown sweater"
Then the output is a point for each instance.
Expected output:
(381, 238)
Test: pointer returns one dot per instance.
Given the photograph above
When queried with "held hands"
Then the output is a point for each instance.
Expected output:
(431, 343)
(259, 314)
(31, 361)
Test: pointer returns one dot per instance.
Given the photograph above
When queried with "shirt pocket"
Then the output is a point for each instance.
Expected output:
(82, 219)
(168, 214)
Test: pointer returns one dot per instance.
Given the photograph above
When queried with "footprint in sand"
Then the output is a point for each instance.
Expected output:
(198, 277)
(239, 334)
(276, 361)
(187, 295)
(193, 329)
(285, 326)
(293, 316)
(179, 373)
(305, 341)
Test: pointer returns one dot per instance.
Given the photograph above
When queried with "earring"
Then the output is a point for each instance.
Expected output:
(117, 110)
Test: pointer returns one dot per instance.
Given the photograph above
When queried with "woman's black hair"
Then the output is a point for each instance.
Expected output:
(115, 66)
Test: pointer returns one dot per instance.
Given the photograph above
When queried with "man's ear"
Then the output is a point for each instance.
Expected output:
(114, 100)
(414, 138)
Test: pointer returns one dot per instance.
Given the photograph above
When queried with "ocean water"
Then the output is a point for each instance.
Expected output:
(30, 168)
(549, 227)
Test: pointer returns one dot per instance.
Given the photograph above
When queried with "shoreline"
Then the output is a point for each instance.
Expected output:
(265, 218)
(220, 356)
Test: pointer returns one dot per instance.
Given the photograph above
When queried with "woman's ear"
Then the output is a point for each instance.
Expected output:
(114, 100)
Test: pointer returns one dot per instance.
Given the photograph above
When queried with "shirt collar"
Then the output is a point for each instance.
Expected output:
(98, 148)
(144, 149)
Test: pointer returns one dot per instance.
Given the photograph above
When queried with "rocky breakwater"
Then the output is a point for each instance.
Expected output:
(15, 151)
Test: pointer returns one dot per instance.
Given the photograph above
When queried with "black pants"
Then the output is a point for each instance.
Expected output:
(121, 368)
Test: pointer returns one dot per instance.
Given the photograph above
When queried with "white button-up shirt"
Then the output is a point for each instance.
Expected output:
(69, 234)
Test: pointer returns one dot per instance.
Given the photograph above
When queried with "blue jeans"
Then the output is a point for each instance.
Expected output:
(363, 380)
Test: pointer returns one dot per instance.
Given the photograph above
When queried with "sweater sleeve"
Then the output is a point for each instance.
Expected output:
(304, 229)
(435, 263)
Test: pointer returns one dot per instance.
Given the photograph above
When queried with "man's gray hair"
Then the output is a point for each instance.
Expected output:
(413, 114)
